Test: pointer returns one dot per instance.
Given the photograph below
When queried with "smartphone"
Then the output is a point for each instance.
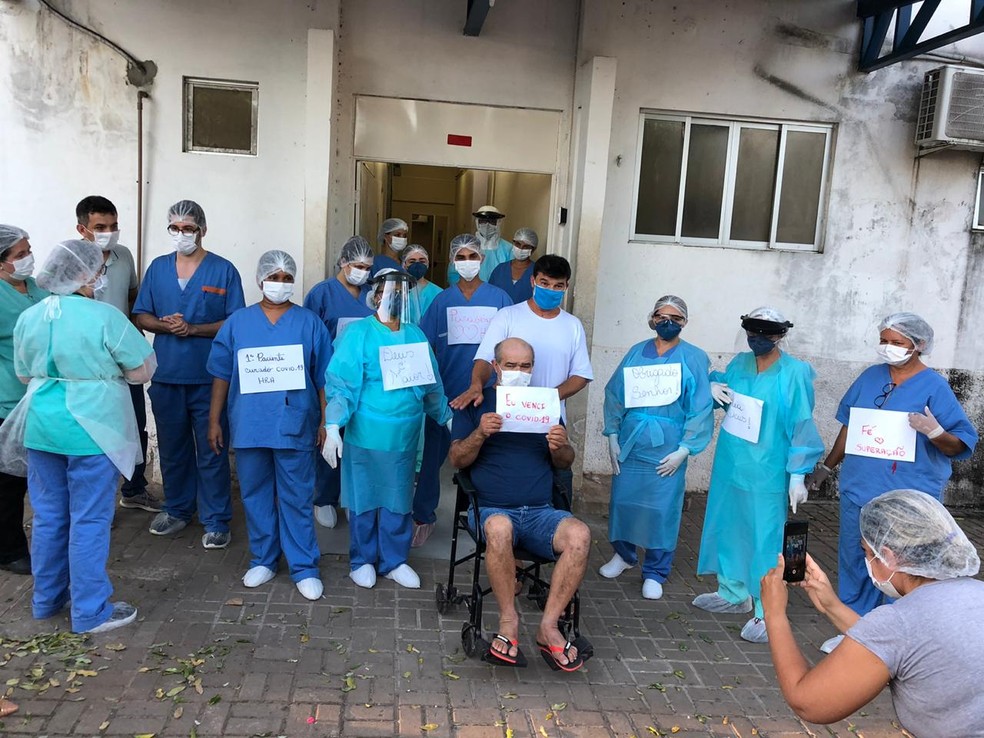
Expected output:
(794, 538)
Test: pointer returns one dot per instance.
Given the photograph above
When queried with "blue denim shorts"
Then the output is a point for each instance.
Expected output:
(533, 527)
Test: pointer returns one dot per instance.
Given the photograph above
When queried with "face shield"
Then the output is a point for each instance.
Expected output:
(393, 298)
(757, 332)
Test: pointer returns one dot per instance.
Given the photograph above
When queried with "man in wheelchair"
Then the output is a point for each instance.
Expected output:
(513, 475)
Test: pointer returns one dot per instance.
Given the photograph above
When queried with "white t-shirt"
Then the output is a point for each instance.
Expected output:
(560, 350)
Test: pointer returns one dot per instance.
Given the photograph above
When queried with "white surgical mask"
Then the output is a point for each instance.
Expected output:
(521, 254)
(99, 285)
(398, 243)
(886, 588)
(278, 292)
(23, 268)
(106, 239)
(468, 269)
(511, 378)
(357, 277)
(185, 243)
(892, 355)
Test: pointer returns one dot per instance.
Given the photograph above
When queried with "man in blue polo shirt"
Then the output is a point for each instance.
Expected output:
(513, 473)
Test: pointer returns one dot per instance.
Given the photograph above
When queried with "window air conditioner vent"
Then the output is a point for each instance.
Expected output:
(951, 109)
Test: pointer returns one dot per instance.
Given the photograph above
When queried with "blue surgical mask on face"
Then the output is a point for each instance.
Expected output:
(760, 345)
(547, 299)
(667, 329)
(417, 270)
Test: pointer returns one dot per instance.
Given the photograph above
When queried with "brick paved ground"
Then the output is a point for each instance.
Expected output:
(208, 657)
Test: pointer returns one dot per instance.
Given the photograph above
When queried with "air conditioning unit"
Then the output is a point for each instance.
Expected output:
(951, 109)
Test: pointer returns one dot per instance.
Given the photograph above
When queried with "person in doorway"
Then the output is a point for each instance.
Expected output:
(339, 301)
(18, 292)
(97, 221)
(454, 326)
(755, 476)
(78, 433)
(184, 299)
(392, 241)
(652, 428)
(901, 382)
(383, 421)
(416, 262)
(496, 250)
(514, 277)
(276, 429)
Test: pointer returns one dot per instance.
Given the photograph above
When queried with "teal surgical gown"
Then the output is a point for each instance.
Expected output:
(12, 304)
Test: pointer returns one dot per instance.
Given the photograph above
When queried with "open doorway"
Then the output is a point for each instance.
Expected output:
(438, 202)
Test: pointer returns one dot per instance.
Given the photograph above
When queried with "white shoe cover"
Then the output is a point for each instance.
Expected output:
(713, 602)
(326, 516)
(258, 575)
(831, 643)
(405, 577)
(614, 567)
(651, 589)
(311, 588)
(754, 631)
(364, 576)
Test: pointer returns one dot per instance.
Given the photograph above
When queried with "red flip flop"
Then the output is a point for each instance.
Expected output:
(498, 657)
(548, 654)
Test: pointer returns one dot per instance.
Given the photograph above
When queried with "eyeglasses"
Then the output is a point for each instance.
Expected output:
(883, 397)
(188, 230)
(678, 319)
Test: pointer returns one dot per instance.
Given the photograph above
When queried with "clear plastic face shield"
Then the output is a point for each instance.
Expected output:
(393, 298)
(760, 335)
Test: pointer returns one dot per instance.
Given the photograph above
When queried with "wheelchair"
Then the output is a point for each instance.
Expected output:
(528, 573)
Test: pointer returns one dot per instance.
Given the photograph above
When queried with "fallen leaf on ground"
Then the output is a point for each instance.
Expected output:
(235, 602)
(115, 647)
(429, 727)
(558, 706)
(450, 674)
(178, 712)
(104, 725)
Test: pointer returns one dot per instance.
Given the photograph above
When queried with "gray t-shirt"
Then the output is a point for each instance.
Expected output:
(932, 641)
(121, 277)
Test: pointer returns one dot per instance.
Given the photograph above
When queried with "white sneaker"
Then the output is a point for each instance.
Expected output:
(258, 575)
(755, 632)
(123, 614)
(405, 577)
(614, 567)
(326, 516)
(651, 589)
(831, 643)
(311, 588)
(364, 576)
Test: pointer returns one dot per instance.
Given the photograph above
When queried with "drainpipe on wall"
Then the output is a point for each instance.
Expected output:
(140, 196)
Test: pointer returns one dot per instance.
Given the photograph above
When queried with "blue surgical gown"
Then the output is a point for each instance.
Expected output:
(863, 478)
(455, 362)
(520, 290)
(285, 419)
(381, 427)
(646, 511)
(213, 293)
(491, 258)
(331, 301)
(12, 304)
(748, 495)
(382, 261)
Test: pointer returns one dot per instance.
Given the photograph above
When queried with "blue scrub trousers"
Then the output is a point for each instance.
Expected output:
(195, 477)
(328, 481)
(73, 499)
(379, 537)
(656, 562)
(277, 487)
(854, 586)
(137, 484)
(426, 498)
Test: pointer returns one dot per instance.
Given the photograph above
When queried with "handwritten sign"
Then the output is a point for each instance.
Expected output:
(468, 324)
(271, 369)
(655, 385)
(881, 434)
(527, 409)
(744, 418)
(405, 365)
(342, 324)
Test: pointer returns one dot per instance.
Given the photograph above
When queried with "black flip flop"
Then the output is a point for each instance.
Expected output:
(547, 652)
(492, 656)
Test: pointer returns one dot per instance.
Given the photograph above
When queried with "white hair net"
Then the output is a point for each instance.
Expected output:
(414, 250)
(911, 532)
(466, 241)
(912, 327)
(9, 235)
(70, 265)
(187, 210)
(356, 249)
(275, 261)
(674, 302)
(527, 235)
(389, 225)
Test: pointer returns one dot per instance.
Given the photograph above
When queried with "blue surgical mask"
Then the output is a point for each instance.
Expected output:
(667, 329)
(547, 299)
(417, 270)
(760, 345)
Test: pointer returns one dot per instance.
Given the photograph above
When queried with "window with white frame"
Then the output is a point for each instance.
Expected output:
(741, 183)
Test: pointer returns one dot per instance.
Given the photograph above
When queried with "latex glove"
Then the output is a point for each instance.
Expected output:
(926, 424)
(671, 462)
(721, 393)
(332, 450)
(797, 491)
(815, 479)
(614, 451)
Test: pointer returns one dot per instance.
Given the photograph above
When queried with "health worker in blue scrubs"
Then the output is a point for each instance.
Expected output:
(495, 249)
(268, 361)
(339, 301)
(184, 299)
(392, 242)
(468, 306)
(515, 277)
(381, 380)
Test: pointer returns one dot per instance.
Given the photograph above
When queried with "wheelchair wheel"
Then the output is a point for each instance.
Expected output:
(469, 640)
(539, 595)
(442, 598)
